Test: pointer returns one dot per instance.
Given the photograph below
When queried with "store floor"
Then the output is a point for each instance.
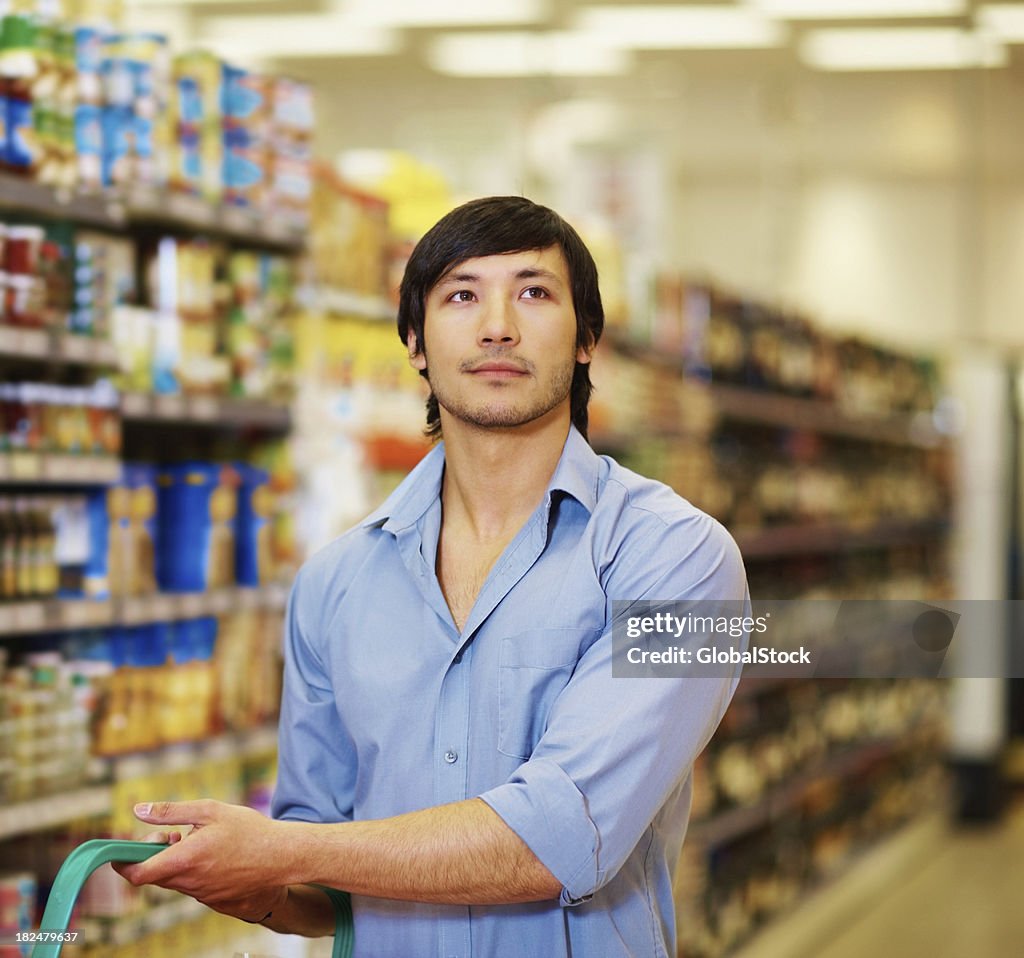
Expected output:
(946, 893)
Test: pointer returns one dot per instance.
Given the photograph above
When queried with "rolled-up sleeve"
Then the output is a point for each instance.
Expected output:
(316, 767)
(616, 749)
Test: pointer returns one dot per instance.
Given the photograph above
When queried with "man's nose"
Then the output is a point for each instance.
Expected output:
(498, 324)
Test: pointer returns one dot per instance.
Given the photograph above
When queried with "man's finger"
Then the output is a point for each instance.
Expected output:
(176, 813)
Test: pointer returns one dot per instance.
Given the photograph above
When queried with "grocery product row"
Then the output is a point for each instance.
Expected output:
(111, 916)
(69, 701)
(87, 107)
(216, 320)
(715, 333)
(189, 527)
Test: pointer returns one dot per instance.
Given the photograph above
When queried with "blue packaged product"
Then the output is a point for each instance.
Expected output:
(118, 80)
(3, 123)
(20, 153)
(88, 50)
(194, 640)
(190, 101)
(88, 133)
(244, 167)
(243, 95)
(196, 510)
(118, 129)
(96, 577)
(252, 526)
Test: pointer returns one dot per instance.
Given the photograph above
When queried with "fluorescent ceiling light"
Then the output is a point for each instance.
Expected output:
(856, 9)
(699, 26)
(1005, 20)
(900, 48)
(295, 35)
(509, 54)
(445, 13)
(130, 4)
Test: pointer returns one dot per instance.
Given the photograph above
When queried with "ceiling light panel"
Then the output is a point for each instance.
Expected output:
(856, 9)
(1004, 20)
(446, 13)
(296, 35)
(509, 54)
(900, 48)
(689, 27)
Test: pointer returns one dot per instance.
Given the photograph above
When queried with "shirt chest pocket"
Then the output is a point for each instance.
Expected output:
(533, 669)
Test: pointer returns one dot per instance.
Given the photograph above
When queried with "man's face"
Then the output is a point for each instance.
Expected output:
(500, 338)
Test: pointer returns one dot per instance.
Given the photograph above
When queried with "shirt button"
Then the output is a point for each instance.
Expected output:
(451, 756)
(458, 657)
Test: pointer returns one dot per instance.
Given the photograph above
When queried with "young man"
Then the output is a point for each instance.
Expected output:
(454, 749)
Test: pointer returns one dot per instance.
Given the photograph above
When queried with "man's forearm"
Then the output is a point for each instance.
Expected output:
(462, 853)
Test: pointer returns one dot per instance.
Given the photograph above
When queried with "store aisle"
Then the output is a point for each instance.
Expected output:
(946, 894)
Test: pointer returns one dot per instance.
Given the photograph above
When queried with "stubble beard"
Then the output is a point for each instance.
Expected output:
(504, 415)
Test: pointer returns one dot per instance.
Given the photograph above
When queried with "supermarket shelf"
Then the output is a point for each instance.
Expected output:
(742, 404)
(42, 814)
(140, 205)
(57, 469)
(57, 615)
(55, 346)
(736, 822)
(789, 412)
(831, 538)
(25, 195)
(209, 411)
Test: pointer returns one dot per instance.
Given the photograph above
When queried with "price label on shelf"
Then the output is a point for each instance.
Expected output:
(25, 465)
(204, 408)
(30, 616)
(221, 601)
(35, 342)
(190, 208)
(169, 407)
(135, 404)
(77, 348)
(238, 220)
(10, 340)
(79, 613)
(192, 605)
(103, 352)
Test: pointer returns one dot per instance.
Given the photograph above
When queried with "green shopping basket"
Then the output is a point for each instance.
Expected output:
(88, 856)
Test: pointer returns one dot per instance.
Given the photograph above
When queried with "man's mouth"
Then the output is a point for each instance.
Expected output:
(498, 368)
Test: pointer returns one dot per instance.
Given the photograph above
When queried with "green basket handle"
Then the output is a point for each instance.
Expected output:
(89, 856)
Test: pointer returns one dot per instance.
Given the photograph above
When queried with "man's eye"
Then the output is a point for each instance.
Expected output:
(535, 292)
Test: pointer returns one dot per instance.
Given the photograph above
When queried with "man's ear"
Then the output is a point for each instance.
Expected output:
(416, 357)
(585, 352)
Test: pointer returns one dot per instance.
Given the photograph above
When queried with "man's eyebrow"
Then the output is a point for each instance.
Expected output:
(529, 272)
(450, 278)
(535, 272)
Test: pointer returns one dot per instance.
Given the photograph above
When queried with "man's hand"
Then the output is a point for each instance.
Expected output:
(229, 861)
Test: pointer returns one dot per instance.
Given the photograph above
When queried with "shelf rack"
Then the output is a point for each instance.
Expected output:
(57, 615)
(54, 811)
(142, 206)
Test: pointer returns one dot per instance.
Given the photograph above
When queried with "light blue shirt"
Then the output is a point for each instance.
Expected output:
(387, 708)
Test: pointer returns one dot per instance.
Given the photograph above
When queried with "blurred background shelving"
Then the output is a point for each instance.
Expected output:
(811, 276)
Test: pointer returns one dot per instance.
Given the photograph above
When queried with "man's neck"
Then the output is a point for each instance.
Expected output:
(495, 478)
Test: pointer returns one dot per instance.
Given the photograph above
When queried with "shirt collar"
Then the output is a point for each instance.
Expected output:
(576, 474)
